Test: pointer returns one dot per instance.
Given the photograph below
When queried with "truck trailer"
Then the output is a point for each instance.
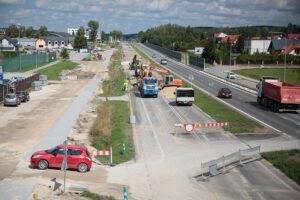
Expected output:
(278, 96)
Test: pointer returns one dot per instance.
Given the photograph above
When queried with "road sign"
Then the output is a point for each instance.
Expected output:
(1, 75)
(189, 127)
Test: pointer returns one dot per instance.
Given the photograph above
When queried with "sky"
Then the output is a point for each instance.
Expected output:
(132, 16)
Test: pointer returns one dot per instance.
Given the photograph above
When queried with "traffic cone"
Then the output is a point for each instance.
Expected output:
(125, 193)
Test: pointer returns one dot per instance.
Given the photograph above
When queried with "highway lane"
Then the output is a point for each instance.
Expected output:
(284, 123)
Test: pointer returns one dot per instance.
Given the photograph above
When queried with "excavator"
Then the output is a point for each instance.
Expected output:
(169, 79)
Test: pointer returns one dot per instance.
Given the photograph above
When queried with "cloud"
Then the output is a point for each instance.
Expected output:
(12, 1)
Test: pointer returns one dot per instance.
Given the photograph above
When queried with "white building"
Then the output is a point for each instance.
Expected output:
(73, 32)
(256, 45)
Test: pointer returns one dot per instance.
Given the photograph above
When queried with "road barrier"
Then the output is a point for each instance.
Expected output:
(102, 153)
(239, 157)
(170, 53)
(190, 126)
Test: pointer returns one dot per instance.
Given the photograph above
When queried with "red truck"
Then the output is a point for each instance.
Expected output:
(278, 96)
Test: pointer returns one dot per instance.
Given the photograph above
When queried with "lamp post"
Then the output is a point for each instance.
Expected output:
(20, 65)
(284, 71)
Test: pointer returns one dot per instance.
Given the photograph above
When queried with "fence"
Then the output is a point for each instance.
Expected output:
(172, 54)
(23, 62)
(196, 61)
(17, 86)
(213, 166)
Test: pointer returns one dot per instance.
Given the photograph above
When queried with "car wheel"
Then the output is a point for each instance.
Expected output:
(82, 167)
(43, 164)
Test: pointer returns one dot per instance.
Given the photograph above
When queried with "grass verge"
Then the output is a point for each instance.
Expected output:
(220, 112)
(286, 161)
(111, 129)
(292, 74)
(95, 196)
(53, 71)
(114, 85)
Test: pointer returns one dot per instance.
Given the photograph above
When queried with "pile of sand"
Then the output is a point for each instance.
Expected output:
(168, 92)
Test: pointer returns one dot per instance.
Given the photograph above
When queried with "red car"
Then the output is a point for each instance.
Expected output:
(78, 158)
(225, 93)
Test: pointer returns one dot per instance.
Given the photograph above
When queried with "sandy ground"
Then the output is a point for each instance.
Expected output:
(22, 127)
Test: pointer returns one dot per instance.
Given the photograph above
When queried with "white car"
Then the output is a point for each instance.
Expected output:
(163, 61)
(231, 75)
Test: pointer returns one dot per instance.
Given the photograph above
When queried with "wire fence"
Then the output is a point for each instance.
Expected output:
(21, 85)
(23, 62)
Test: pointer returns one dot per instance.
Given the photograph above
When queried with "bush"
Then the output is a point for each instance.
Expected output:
(64, 54)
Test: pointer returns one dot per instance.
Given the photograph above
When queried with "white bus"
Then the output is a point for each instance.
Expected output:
(184, 96)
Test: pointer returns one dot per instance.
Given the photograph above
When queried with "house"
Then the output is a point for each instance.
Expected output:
(294, 36)
(284, 46)
(254, 45)
(87, 32)
(55, 43)
(8, 44)
(224, 38)
(26, 43)
(40, 44)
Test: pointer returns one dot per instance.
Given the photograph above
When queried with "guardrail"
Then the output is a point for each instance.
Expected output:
(213, 167)
(172, 54)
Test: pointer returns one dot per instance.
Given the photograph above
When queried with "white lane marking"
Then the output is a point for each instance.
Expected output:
(154, 132)
(182, 119)
(248, 115)
(275, 176)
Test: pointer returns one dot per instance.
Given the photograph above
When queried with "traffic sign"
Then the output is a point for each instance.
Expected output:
(188, 127)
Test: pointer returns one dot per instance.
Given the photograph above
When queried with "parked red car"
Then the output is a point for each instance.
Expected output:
(78, 158)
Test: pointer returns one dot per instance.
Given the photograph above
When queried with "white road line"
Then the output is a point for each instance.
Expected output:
(275, 176)
(244, 113)
(154, 132)
(291, 120)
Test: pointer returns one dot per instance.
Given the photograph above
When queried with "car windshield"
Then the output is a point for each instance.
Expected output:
(10, 96)
(225, 90)
(52, 150)
(150, 81)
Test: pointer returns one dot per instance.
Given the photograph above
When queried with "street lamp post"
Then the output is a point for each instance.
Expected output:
(285, 36)
(20, 64)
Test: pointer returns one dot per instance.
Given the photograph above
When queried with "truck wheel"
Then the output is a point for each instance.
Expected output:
(258, 100)
(155, 95)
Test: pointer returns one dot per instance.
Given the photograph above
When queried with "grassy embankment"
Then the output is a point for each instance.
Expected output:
(287, 161)
(94, 196)
(219, 111)
(114, 85)
(111, 127)
(53, 71)
(292, 74)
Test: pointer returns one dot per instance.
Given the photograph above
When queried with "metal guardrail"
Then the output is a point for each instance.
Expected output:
(241, 156)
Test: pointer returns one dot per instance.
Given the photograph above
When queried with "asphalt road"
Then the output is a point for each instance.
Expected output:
(168, 160)
(286, 124)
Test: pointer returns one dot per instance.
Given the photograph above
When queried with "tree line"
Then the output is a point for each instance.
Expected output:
(15, 31)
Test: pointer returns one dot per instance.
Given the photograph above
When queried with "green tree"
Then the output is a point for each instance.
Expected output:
(64, 54)
(22, 30)
(240, 44)
(12, 31)
(93, 25)
(80, 40)
(43, 31)
(209, 52)
(30, 32)
(103, 36)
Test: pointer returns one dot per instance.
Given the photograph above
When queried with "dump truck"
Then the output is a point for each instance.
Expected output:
(278, 96)
(184, 96)
(149, 86)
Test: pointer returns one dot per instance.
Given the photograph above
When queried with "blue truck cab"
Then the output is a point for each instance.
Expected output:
(149, 86)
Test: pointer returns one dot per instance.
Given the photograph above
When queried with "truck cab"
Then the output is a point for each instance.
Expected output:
(184, 96)
(149, 86)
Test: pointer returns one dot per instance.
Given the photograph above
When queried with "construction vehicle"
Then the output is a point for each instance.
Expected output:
(134, 64)
(149, 86)
(278, 96)
(169, 79)
(184, 96)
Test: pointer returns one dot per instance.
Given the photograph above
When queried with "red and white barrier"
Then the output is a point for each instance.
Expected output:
(100, 153)
(190, 126)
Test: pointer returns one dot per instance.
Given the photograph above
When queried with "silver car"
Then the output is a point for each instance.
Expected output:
(11, 99)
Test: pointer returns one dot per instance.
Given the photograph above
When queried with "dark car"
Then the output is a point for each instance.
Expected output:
(23, 96)
(11, 99)
(78, 158)
(225, 93)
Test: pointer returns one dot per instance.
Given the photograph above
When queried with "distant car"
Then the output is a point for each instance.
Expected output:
(163, 61)
(11, 99)
(23, 96)
(78, 158)
(231, 75)
(225, 93)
